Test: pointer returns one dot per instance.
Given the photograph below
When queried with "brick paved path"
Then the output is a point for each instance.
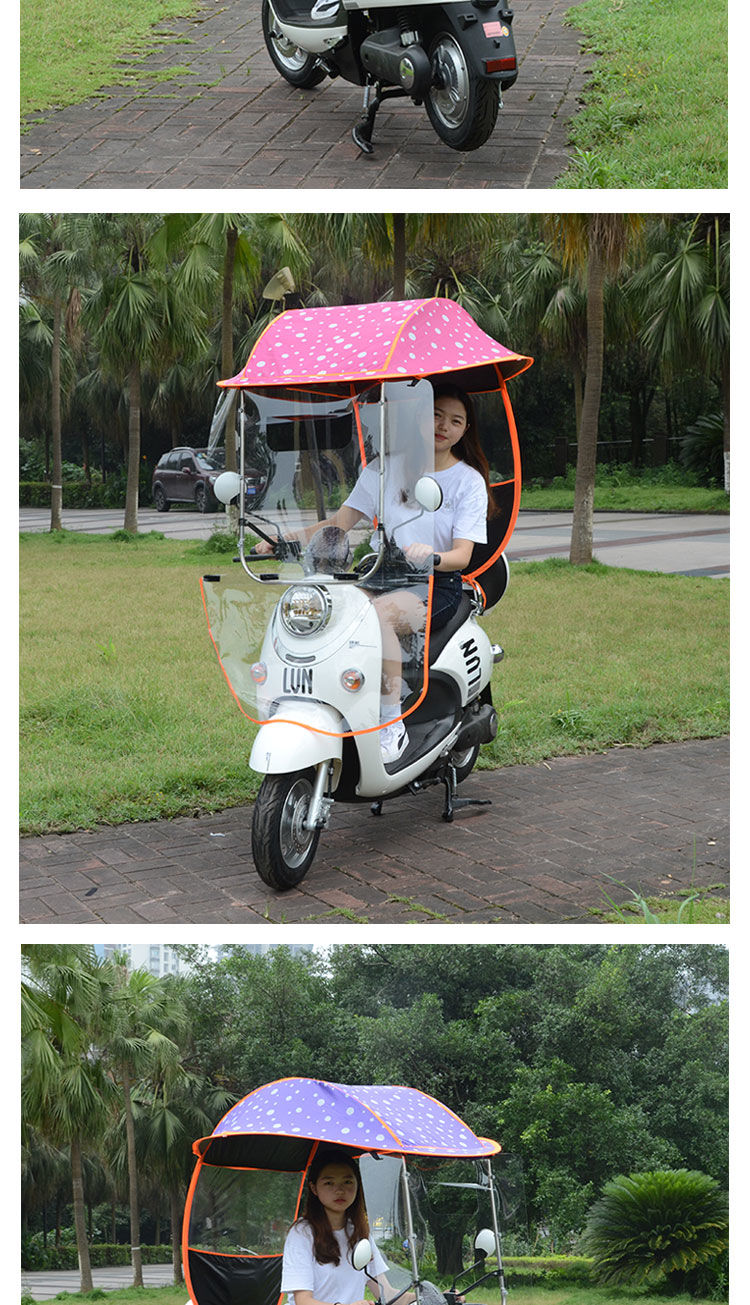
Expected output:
(654, 819)
(231, 121)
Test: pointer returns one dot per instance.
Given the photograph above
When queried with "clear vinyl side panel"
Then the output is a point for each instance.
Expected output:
(451, 1202)
(331, 603)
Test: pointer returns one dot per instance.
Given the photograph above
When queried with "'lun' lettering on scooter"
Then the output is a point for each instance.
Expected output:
(472, 660)
(298, 679)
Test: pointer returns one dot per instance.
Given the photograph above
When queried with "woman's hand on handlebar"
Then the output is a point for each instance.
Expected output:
(263, 548)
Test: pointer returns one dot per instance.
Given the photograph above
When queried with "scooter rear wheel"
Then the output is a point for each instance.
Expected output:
(464, 762)
(462, 107)
(283, 850)
(295, 65)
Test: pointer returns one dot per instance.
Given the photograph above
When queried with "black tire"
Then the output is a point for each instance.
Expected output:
(282, 850)
(161, 502)
(464, 762)
(461, 106)
(295, 65)
(203, 498)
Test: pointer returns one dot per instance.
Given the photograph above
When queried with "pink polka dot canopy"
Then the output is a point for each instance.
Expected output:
(367, 342)
(398, 1120)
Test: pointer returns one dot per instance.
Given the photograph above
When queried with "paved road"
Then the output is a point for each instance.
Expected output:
(548, 849)
(229, 120)
(688, 544)
(45, 1286)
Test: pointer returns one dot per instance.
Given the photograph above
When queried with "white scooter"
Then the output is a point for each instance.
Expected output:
(455, 59)
(299, 637)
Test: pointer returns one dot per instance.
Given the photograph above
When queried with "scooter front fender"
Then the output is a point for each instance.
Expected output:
(314, 735)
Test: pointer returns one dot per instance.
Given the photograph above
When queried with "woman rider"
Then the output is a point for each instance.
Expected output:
(317, 1266)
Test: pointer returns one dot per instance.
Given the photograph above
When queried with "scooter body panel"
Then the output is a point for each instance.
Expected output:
(315, 40)
(314, 736)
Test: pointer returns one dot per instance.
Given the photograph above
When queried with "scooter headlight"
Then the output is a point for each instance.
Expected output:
(305, 609)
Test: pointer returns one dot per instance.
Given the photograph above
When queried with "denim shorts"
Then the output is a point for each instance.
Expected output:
(446, 596)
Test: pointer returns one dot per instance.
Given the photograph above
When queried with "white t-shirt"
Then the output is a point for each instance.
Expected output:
(328, 1282)
(461, 515)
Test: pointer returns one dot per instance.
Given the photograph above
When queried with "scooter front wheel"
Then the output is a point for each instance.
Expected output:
(461, 106)
(295, 64)
(283, 849)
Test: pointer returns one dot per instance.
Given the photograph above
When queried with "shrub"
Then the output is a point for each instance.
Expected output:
(664, 1222)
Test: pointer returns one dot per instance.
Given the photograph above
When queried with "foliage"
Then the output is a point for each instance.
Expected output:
(502, 268)
(103, 1255)
(657, 68)
(656, 1223)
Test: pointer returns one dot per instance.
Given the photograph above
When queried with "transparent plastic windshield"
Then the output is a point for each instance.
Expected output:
(450, 1203)
(333, 610)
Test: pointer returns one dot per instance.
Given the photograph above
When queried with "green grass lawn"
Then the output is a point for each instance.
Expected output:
(655, 110)
(125, 714)
(70, 50)
(516, 1296)
(627, 497)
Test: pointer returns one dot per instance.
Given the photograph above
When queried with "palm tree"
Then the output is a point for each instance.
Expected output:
(65, 1091)
(687, 297)
(595, 242)
(139, 319)
(143, 1016)
(54, 260)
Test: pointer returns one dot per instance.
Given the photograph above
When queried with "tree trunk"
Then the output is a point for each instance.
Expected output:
(577, 393)
(725, 402)
(56, 495)
(175, 1215)
(135, 1217)
(582, 534)
(134, 447)
(227, 342)
(79, 1215)
(399, 255)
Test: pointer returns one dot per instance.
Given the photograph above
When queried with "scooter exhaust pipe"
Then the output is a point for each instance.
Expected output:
(481, 728)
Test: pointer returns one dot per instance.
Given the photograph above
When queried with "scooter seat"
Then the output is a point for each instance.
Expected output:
(439, 638)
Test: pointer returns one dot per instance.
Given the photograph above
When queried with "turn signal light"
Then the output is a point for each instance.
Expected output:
(352, 679)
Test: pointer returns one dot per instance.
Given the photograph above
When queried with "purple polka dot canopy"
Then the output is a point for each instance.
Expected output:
(361, 342)
(401, 1120)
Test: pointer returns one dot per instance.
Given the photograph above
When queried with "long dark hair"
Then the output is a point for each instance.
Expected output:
(468, 448)
(325, 1246)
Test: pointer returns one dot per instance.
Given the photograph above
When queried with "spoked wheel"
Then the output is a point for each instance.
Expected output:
(161, 502)
(283, 850)
(465, 762)
(462, 107)
(295, 65)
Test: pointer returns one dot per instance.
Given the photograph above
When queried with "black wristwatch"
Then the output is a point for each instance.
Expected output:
(435, 561)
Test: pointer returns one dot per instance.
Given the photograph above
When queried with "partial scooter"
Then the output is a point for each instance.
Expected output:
(456, 59)
(326, 393)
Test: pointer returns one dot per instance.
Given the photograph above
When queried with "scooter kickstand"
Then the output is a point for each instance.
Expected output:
(362, 132)
(451, 801)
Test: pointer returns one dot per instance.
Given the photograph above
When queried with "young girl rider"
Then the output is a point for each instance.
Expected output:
(317, 1266)
(461, 470)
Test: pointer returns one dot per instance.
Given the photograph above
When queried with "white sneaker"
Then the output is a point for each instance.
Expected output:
(393, 740)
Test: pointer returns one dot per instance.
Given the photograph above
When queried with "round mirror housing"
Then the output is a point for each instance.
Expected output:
(227, 486)
(362, 1254)
(484, 1243)
(428, 493)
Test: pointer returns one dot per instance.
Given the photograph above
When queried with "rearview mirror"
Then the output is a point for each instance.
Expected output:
(484, 1243)
(227, 486)
(362, 1254)
(428, 493)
